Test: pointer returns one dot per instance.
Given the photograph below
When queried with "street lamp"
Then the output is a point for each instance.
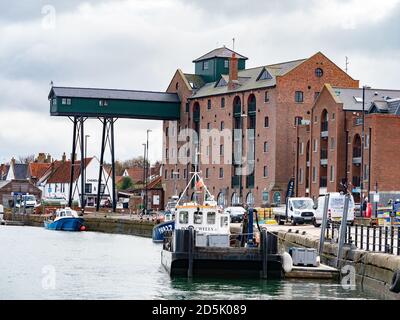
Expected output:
(147, 167)
(362, 150)
(144, 173)
(84, 160)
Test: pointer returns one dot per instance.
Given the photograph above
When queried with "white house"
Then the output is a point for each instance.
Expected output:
(56, 182)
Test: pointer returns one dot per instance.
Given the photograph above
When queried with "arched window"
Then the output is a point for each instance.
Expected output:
(235, 199)
(252, 104)
(221, 199)
(324, 120)
(237, 106)
(250, 199)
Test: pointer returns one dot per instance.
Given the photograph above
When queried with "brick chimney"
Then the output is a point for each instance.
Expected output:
(233, 72)
(64, 157)
(41, 158)
(48, 158)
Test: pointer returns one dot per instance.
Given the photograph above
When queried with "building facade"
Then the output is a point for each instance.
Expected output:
(331, 155)
(267, 103)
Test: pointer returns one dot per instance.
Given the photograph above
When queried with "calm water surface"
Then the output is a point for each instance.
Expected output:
(41, 264)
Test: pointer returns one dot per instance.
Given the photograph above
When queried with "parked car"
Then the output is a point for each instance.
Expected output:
(236, 213)
(299, 210)
(27, 201)
(335, 208)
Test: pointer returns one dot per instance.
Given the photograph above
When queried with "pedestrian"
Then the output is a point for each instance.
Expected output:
(364, 206)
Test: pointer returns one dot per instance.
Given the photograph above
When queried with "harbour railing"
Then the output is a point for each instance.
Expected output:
(369, 238)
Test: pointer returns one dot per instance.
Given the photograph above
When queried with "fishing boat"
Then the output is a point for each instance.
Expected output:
(202, 244)
(160, 229)
(65, 219)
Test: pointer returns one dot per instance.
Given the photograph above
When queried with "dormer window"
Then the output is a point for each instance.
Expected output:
(205, 65)
(221, 83)
(264, 75)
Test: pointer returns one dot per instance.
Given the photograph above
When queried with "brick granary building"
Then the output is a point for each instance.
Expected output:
(222, 95)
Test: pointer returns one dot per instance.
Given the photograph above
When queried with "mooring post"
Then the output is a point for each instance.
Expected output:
(250, 228)
(103, 146)
(342, 234)
(264, 247)
(190, 252)
(323, 226)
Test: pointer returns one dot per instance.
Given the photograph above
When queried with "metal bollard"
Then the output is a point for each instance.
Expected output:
(367, 238)
(380, 238)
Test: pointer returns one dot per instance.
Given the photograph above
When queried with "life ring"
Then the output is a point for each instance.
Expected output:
(395, 287)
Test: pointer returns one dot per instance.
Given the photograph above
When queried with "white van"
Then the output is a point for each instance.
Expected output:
(335, 208)
(300, 210)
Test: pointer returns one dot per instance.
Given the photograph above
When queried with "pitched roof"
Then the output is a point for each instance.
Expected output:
(250, 79)
(222, 52)
(116, 94)
(352, 97)
(37, 170)
(4, 183)
(61, 171)
(20, 171)
(136, 173)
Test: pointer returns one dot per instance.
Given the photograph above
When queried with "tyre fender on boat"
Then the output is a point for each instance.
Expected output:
(395, 287)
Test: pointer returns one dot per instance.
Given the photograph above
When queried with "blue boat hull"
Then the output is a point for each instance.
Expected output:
(159, 229)
(66, 224)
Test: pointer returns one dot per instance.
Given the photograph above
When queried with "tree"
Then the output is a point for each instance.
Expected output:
(125, 183)
(26, 159)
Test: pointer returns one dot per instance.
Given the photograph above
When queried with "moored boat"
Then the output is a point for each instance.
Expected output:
(65, 219)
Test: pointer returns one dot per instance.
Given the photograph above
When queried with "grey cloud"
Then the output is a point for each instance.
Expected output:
(23, 10)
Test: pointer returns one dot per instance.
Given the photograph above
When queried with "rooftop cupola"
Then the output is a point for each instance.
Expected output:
(217, 62)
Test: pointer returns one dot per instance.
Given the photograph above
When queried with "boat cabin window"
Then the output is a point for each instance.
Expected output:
(68, 213)
(210, 217)
(183, 217)
(198, 217)
(224, 222)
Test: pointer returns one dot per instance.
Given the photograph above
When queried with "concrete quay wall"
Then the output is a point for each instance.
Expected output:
(374, 271)
(135, 227)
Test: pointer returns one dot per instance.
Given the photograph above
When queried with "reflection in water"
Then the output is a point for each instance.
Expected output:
(89, 265)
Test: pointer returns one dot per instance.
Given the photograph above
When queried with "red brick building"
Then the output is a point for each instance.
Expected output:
(224, 95)
(330, 154)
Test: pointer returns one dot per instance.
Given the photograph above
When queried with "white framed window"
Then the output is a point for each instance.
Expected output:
(332, 174)
(64, 101)
(226, 64)
(205, 65)
(315, 145)
(301, 147)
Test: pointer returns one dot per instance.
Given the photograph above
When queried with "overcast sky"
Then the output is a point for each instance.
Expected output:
(139, 44)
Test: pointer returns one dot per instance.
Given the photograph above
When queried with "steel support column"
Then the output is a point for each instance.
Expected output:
(107, 139)
(103, 147)
(83, 165)
(71, 180)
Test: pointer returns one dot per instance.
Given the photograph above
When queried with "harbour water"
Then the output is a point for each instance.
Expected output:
(40, 264)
